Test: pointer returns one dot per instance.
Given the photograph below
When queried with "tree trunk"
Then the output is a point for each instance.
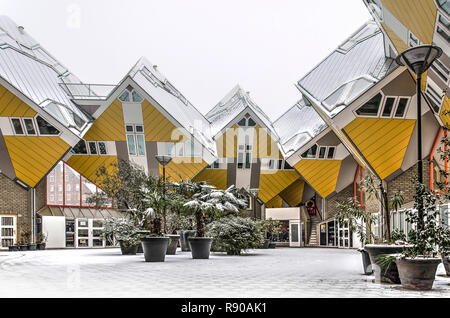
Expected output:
(386, 214)
(200, 219)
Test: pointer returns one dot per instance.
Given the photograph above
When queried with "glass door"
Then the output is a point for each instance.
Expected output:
(343, 232)
(7, 231)
(294, 233)
(82, 232)
(96, 239)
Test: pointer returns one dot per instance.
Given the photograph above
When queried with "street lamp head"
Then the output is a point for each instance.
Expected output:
(419, 58)
(163, 160)
(254, 191)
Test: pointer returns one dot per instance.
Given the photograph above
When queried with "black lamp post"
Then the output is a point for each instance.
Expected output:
(254, 193)
(418, 59)
(164, 160)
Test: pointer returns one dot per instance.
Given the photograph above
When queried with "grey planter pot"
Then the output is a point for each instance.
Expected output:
(13, 248)
(389, 275)
(41, 246)
(367, 264)
(173, 244)
(155, 248)
(417, 273)
(446, 262)
(128, 250)
(200, 247)
(266, 243)
(32, 247)
(140, 249)
(184, 235)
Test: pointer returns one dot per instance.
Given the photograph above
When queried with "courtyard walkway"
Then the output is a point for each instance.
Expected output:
(282, 272)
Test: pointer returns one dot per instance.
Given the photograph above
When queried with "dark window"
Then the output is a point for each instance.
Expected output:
(80, 148)
(310, 153)
(92, 148)
(330, 153)
(242, 122)
(271, 164)
(371, 107)
(443, 33)
(102, 148)
(432, 102)
(45, 128)
(139, 128)
(287, 166)
(29, 126)
(17, 126)
(388, 106)
(401, 107)
(438, 72)
(247, 160)
(129, 128)
(280, 164)
(216, 164)
(251, 122)
(322, 151)
(240, 160)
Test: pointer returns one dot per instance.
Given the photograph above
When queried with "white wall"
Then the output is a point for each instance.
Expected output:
(55, 229)
(283, 213)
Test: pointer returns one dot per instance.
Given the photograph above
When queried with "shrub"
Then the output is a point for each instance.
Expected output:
(235, 234)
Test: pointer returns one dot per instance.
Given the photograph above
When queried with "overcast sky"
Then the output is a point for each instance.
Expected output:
(204, 47)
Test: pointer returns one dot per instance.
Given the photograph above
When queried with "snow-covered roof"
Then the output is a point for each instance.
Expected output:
(354, 67)
(231, 106)
(35, 73)
(297, 126)
(147, 76)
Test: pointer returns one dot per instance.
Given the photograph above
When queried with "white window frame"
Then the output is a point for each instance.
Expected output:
(134, 133)
(394, 106)
(368, 99)
(406, 108)
(328, 150)
(21, 124)
(411, 38)
(439, 24)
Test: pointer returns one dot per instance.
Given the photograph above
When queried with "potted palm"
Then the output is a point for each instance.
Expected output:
(41, 240)
(205, 201)
(417, 264)
(123, 231)
(385, 246)
(359, 221)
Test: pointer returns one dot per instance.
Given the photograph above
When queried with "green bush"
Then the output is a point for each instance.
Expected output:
(235, 234)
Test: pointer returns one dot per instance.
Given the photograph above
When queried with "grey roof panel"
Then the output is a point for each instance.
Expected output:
(355, 66)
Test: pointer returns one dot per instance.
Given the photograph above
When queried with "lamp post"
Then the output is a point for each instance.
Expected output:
(254, 193)
(418, 59)
(164, 160)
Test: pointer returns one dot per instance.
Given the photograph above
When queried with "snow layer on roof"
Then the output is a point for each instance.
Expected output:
(354, 67)
(171, 100)
(231, 106)
(36, 74)
(296, 127)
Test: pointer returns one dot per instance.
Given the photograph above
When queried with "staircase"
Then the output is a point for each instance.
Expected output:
(314, 236)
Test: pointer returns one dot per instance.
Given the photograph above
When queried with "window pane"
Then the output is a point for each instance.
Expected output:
(445, 5)
(401, 107)
(280, 164)
(102, 148)
(141, 145)
(88, 189)
(443, 33)
(136, 97)
(242, 122)
(287, 166)
(131, 145)
(80, 148)
(180, 149)
(92, 148)
(29, 126)
(251, 122)
(322, 151)
(271, 164)
(240, 160)
(330, 153)
(54, 185)
(444, 21)
(371, 107)
(139, 128)
(125, 97)
(17, 126)
(388, 105)
(129, 128)
(72, 180)
(247, 160)
(171, 149)
(216, 164)
(45, 128)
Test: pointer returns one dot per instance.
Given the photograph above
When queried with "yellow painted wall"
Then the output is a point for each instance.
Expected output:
(227, 143)
(382, 141)
(33, 156)
(13, 106)
(445, 108)
(183, 168)
(294, 193)
(157, 127)
(264, 145)
(322, 175)
(109, 126)
(272, 182)
(215, 177)
(88, 165)
(418, 16)
(275, 202)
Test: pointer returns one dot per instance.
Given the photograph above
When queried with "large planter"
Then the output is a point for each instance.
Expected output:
(155, 248)
(367, 264)
(23, 248)
(417, 273)
(446, 262)
(385, 275)
(32, 247)
(173, 244)
(127, 249)
(40, 246)
(184, 235)
(200, 247)
(13, 248)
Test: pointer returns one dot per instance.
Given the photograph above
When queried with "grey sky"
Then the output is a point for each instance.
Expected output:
(204, 47)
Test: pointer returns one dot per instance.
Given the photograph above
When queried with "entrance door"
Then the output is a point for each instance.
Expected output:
(7, 230)
(343, 232)
(82, 232)
(96, 239)
(294, 233)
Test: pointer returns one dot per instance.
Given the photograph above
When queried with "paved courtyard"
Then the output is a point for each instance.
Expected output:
(282, 272)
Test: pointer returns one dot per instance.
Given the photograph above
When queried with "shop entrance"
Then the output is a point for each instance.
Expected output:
(88, 233)
(343, 235)
(7, 230)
